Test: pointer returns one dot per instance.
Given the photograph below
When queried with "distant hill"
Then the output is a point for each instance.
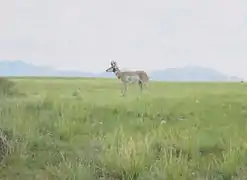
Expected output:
(193, 73)
(20, 68)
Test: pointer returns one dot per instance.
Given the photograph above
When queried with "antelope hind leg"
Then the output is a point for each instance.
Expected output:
(140, 83)
(147, 86)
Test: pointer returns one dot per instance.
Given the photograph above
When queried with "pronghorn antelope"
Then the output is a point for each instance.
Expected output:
(129, 77)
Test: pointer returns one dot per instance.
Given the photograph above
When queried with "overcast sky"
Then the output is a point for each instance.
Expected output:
(140, 34)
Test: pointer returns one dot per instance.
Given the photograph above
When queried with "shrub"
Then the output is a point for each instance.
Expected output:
(4, 144)
(8, 88)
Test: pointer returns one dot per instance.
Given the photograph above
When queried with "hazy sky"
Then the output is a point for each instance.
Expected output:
(140, 34)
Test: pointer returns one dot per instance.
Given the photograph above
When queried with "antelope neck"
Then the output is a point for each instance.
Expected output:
(117, 72)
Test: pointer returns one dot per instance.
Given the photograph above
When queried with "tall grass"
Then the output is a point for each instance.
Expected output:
(176, 131)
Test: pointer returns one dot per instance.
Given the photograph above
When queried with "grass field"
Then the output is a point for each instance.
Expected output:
(176, 131)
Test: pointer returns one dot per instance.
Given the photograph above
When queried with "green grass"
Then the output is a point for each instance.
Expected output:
(180, 131)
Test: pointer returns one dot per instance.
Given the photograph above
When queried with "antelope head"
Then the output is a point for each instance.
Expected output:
(113, 67)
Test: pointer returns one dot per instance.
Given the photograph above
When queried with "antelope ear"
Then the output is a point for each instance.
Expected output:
(113, 63)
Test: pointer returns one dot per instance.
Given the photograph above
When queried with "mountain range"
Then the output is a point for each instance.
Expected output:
(189, 73)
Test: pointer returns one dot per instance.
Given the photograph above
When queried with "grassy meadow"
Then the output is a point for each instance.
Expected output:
(175, 131)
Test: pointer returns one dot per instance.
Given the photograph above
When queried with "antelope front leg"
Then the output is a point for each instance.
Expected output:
(124, 89)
